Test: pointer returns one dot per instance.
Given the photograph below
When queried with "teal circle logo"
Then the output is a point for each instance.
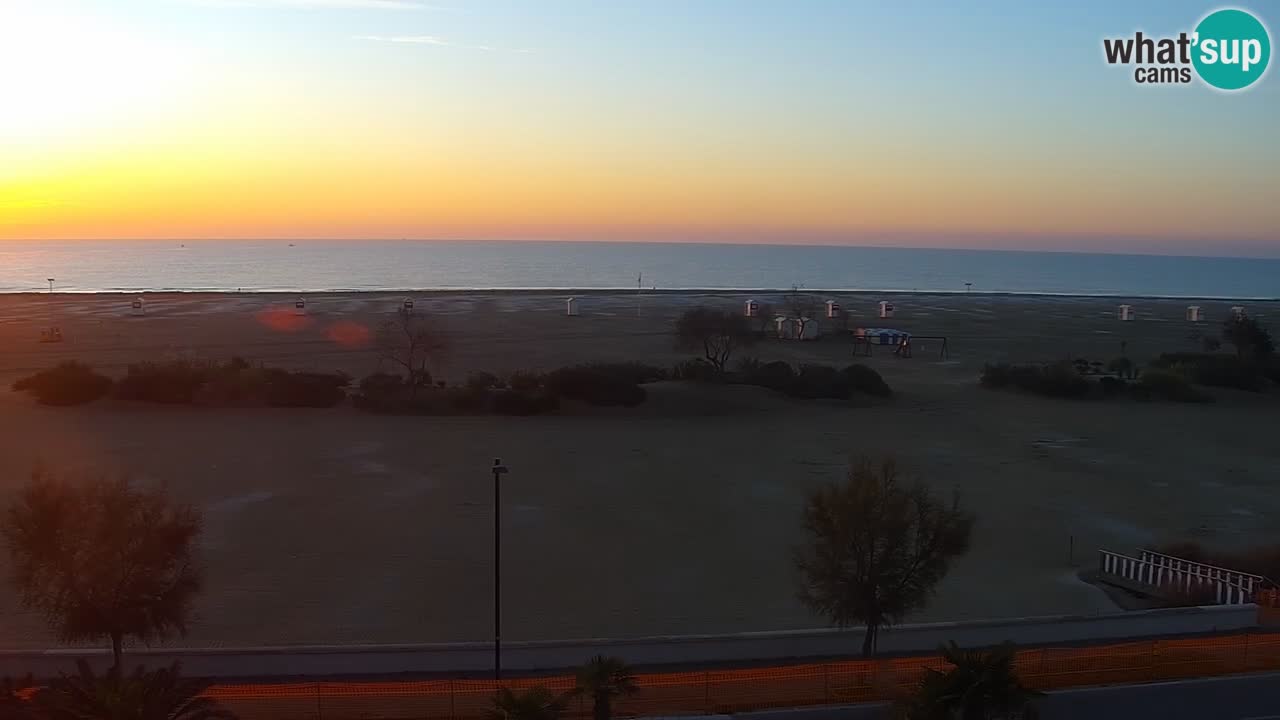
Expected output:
(1231, 49)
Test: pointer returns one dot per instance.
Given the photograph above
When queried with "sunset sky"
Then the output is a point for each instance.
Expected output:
(938, 124)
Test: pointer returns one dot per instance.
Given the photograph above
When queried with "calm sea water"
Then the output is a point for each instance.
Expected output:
(96, 266)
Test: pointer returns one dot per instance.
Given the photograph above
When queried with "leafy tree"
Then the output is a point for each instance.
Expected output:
(603, 679)
(103, 559)
(536, 703)
(876, 548)
(412, 341)
(981, 685)
(158, 695)
(1250, 337)
(715, 332)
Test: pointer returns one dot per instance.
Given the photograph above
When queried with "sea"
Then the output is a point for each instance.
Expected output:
(373, 265)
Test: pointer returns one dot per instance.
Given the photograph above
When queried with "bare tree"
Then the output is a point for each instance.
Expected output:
(801, 308)
(715, 332)
(875, 549)
(412, 341)
(103, 559)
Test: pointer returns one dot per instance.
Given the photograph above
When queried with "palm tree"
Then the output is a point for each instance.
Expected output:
(605, 678)
(981, 685)
(158, 695)
(536, 703)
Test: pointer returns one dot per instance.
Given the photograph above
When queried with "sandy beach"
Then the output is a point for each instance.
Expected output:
(337, 526)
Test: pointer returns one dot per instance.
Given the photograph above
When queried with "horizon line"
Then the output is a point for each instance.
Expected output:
(729, 243)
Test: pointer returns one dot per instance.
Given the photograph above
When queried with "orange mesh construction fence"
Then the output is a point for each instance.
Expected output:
(741, 690)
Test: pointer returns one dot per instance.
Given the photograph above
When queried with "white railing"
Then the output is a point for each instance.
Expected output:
(1230, 587)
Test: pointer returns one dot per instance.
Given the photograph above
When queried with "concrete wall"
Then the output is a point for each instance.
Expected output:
(349, 660)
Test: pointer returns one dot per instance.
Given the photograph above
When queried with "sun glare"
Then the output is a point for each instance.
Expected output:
(69, 75)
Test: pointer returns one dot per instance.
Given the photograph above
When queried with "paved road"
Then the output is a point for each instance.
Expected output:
(1249, 697)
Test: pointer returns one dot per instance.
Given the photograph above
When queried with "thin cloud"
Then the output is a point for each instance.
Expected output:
(433, 40)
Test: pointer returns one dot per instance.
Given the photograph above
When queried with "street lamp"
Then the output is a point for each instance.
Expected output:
(498, 471)
(50, 284)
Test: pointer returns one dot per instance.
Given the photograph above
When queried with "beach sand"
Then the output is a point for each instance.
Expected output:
(336, 526)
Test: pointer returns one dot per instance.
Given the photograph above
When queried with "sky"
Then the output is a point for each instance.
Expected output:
(937, 124)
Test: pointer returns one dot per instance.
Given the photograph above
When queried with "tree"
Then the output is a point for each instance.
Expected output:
(1251, 338)
(411, 341)
(158, 695)
(981, 685)
(876, 548)
(605, 678)
(536, 703)
(715, 332)
(103, 559)
(802, 309)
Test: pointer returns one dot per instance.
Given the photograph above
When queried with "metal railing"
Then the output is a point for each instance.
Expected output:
(1165, 572)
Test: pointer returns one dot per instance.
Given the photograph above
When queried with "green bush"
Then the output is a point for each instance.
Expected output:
(518, 402)
(776, 375)
(1058, 380)
(68, 383)
(1217, 370)
(635, 373)
(174, 381)
(1112, 386)
(525, 381)
(696, 370)
(1168, 385)
(865, 379)
(821, 381)
(304, 389)
(596, 385)
(378, 391)
(484, 381)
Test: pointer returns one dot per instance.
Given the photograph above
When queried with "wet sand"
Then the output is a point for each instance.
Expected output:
(674, 517)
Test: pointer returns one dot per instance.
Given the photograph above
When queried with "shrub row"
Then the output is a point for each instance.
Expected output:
(1062, 380)
(234, 383)
(522, 393)
(1218, 370)
(812, 381)
(68, 383)
(1057, 380)
(183, 382)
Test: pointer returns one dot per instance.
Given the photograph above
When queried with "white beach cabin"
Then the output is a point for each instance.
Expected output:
(139, 306)
(833, 309)
(886, 309)
(751, 309)
(1237, 311)
(571, 307)
(300, 307)
(1125, 313)
(1194, 314)
(407, 305)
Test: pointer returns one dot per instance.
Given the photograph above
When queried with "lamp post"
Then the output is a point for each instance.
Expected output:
(50, 284)
(498, 471)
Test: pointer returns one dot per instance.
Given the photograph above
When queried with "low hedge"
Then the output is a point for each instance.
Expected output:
(234, 383)
(68, 383)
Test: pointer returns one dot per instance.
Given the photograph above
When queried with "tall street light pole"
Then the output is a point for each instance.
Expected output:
(498, 471)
